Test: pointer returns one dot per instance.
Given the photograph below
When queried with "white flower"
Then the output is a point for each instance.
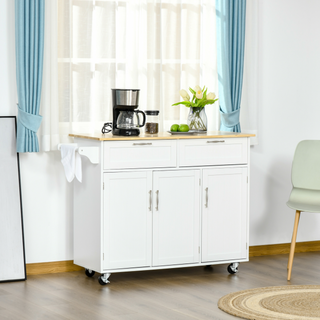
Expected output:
(199, 94)
(211, 96)
(184, 94)
(197, 88)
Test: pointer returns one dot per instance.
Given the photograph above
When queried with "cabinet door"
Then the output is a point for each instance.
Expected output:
(127, 219)
(224, 214)
(175, 217)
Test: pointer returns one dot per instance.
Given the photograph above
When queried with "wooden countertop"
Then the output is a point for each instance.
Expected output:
(162, 136)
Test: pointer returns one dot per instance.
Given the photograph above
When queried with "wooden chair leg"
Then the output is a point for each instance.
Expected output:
(294, 234)
(293, 243)
(290, 250)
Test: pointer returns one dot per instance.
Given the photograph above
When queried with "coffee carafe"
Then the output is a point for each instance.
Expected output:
(130, 119)
(126, 120)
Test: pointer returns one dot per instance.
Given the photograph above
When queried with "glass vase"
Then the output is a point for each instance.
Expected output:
(197, 119)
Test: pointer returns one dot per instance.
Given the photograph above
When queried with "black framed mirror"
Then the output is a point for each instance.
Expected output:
(12, 250)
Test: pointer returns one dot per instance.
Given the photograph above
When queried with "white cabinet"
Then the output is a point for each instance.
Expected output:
(176, 217)
(138, 212)
(153, 204)
(127, 220)
(224, 214)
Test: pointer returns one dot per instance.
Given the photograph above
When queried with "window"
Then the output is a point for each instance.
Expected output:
(156, 46)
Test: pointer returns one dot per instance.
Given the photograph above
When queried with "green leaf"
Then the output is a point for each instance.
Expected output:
(210, 101)
(192, 91)
(205, 94)
(186, 103)
(202, 100)
(198, 103)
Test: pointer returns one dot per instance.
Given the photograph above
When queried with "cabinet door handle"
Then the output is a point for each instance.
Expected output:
(150, 200)
(143, 144)
(216, 141)
(206, 204)
(157, 204)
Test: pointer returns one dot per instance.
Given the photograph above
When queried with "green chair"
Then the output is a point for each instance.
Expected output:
(305, 194)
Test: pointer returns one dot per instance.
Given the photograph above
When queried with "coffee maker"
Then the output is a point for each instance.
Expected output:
(126, 120)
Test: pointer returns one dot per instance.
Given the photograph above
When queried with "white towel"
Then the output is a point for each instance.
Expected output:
(71, 161)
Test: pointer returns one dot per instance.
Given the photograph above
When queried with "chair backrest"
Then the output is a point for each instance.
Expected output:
(306, 165)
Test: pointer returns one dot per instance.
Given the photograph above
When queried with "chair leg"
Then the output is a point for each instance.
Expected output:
(294, 233)
(293, 243)
(290, 250)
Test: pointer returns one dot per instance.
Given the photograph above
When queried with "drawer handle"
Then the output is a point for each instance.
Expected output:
(143, 144)
(206, 204)
(157, 206)
(216, 141)
(150, 200)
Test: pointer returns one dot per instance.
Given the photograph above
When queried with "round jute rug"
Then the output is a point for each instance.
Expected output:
(286, 302)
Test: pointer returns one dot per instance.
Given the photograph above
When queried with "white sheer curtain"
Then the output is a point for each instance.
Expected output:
(156, 46)
(48, 134)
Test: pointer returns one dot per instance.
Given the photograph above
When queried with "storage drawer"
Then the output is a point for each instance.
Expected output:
(139, 154)
(196, 152)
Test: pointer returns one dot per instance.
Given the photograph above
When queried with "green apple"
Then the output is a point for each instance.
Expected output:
(183, 128)
(174, 127)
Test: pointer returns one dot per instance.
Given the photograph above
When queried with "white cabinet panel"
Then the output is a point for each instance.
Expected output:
(224, 207)
(127, 219)
(205, 152)
(175, 217)
(139, 154)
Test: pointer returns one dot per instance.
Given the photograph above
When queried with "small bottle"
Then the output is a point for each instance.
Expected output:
(152, 121)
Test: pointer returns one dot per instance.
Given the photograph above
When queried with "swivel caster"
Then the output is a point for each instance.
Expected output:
(233, 267)
(103, 279)
(89, 273)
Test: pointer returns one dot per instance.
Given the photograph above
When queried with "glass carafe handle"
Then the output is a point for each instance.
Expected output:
(144, 118)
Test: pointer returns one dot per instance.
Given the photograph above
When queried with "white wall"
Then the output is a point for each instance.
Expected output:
(289, 111)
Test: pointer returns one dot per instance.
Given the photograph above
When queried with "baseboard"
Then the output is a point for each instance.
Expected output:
(283, 248)
(254, 251)
(51, 267)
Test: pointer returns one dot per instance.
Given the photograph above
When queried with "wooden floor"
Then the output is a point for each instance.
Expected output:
(187, 293)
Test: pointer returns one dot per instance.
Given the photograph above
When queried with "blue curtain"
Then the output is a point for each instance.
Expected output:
(29, 33)
(231, 20)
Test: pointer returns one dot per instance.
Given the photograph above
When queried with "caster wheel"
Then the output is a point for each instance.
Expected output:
(232, 268)
(208, 269)
(89, 273)
(103, 279)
